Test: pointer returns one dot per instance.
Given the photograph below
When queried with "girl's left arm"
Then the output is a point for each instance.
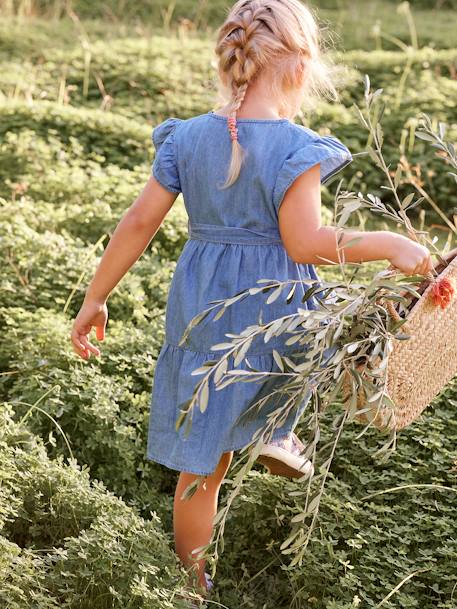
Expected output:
(129, 240)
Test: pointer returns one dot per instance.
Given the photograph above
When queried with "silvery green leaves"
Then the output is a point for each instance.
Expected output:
(370, 118)
(237, 348)
(225, 303)
(334, 339)
(397, 209)
(349, 202)
(436, 137)
(297, 541)
(355, 326)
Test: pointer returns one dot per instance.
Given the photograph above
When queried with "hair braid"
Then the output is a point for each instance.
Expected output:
(239, 56)
(280, 36)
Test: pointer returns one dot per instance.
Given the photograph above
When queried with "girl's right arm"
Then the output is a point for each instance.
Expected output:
(308, 242)
(129, 240)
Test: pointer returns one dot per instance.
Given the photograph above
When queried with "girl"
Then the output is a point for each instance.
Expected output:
(264, 221)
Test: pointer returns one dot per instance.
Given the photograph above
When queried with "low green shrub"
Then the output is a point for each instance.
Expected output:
(69, 542)
(103, 136)
(102, 406)
(55, 187)
(156, 11)
(362, 548)
(430, 95)
(22, 578)
(428, 86)
(49, 270)
(428, 4)
(149, 77)
(385, 66)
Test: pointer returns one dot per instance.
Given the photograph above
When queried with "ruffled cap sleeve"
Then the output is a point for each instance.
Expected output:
(327, 150)
(165, 166)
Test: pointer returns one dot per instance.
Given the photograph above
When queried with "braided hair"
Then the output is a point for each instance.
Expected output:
(281, 36)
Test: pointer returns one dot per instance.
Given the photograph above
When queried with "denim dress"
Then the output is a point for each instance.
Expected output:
(233, 240)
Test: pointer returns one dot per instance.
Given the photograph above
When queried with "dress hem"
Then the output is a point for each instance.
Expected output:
(182, 468)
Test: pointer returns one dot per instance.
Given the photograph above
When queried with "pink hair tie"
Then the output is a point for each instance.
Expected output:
(233, 128)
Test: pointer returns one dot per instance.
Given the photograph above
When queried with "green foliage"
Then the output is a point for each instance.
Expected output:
(102, 406)
(365, 547)
(68, 542)
(77, 110)
(22, 578)
(147, 79)
(428, 4)
(141, 76)
(33, 253)
(110, 139)
(357, 23)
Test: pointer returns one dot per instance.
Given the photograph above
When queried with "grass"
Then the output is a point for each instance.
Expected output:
(354, 25)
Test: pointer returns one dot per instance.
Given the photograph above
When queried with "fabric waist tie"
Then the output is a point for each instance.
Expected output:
(218, 233)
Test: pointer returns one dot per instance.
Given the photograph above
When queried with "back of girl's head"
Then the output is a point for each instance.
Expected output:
(281, 37)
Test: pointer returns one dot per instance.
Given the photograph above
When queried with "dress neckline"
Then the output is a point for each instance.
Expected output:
(249, 120)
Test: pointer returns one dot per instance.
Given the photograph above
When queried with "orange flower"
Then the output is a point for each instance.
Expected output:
(442, 292)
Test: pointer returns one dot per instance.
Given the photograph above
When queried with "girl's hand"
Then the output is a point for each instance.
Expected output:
(92, 313)
(410, 257)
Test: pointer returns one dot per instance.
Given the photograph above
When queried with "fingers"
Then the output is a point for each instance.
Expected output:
(91, 315)
(426, 266)
(82, 346)
(418, 269)
(78, 347)
(430, 265)
(423, 266)
(412, 271)
(88, 345)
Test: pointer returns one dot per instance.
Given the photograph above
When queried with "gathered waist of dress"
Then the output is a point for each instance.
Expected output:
(218, 233)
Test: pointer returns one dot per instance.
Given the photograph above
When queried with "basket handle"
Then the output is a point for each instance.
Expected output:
(432, 276)
(442, 262)
(390, 306)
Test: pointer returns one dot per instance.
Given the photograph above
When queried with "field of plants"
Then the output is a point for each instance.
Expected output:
(85, 519)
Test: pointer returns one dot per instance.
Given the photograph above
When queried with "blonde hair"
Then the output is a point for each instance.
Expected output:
(281, 36)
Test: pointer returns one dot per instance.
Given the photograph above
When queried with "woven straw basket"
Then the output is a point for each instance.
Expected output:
(419, 367)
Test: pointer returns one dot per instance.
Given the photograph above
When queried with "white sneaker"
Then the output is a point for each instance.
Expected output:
(193, 603)
(282, 458)
(209, 581)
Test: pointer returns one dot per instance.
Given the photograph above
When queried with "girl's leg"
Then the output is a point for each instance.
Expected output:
(193, 518)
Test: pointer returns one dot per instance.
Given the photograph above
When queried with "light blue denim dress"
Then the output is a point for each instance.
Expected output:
(233, 240)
